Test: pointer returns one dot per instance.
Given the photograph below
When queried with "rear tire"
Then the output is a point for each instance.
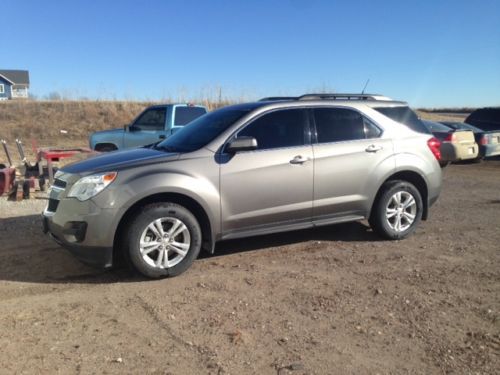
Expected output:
(397, 211)
(163, 240)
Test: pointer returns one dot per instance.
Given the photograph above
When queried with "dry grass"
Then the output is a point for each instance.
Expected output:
(44, 120)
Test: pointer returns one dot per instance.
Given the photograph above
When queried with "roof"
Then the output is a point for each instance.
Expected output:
(17, 77)
(372, 100)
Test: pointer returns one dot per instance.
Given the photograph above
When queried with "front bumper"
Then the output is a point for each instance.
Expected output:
(83, 229)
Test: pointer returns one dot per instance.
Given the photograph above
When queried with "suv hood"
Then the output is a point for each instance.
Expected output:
(118, 160)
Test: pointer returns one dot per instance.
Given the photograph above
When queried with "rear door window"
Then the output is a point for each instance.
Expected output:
(404, 115)
(341, 124)
(184, 115)
(278, 129)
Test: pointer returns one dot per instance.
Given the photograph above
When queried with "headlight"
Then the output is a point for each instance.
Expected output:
(88, 187)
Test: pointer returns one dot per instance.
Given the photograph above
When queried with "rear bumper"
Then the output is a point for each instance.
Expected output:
(489, 150)
(452, 152)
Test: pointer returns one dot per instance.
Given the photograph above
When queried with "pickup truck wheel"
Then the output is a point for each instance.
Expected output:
(163, 240)
(397, 211)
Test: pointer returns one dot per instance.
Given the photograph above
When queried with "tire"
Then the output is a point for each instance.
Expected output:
(181, 242)
(387, 211)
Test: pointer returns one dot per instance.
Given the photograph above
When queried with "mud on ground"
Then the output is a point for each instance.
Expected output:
(332, 300)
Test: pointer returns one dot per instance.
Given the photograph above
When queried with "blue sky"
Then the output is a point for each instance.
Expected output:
(430, 53)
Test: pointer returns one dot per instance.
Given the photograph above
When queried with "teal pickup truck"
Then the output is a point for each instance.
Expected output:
(152, 125)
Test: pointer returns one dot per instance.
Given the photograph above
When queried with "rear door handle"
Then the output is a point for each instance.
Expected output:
(299, 159)
(163, 136)
(373, 148)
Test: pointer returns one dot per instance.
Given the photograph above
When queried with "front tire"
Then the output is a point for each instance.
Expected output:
(397, 211)
(163, 240)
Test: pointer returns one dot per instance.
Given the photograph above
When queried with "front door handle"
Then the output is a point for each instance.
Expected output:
(373, 148)
(299, 159)
(163, 136)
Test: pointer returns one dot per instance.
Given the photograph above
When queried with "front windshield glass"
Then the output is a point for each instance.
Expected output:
(202, 131)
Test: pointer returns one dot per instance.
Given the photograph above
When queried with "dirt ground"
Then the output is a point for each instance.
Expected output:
(324, 301)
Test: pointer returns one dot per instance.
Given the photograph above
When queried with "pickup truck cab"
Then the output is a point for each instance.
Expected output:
(154, 124)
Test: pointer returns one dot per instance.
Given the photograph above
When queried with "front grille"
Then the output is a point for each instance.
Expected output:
(53, 203)
(59, 183)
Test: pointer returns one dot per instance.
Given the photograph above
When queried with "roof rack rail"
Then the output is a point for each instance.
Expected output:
(338, 96)
(277, 98)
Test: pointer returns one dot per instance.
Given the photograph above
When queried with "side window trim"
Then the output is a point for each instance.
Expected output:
(314, 130)
(307, 130)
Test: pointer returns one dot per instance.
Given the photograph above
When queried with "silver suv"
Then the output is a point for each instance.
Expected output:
(245, 170)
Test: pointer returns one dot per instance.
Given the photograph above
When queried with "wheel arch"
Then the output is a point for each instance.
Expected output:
(186, 201)
(100, 145)
(415, 179)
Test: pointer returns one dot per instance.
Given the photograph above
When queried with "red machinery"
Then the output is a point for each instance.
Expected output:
(31, 176)
(7, 173)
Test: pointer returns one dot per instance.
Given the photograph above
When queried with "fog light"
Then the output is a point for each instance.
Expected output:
(74, 231)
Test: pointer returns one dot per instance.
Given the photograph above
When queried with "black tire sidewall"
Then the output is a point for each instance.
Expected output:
(147, 215)
(378, 219)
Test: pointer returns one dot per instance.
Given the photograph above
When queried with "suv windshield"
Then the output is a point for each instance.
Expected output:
(405, 116)
(203, 130)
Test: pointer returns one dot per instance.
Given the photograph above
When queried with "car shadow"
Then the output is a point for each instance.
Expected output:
(347, 232)
(27, 255)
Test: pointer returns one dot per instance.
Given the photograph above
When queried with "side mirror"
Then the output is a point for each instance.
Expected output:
(133, 128)
(241, 144)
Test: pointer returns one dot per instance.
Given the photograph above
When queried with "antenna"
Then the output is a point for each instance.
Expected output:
(366, 84)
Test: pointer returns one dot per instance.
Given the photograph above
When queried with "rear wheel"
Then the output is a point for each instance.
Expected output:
(397, 211)
(163, 240)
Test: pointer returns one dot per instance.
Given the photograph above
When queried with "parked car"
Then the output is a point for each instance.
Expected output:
(487, 119)
(456, 144)
(488, 141)
(151, 126)
(246, 170)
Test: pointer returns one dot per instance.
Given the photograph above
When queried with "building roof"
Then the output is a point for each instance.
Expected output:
(17, 77)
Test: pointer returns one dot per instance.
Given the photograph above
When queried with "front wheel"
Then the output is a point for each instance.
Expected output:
(397, 211)
(163, 240)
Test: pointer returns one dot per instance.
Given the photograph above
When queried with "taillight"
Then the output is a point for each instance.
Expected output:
(450, 137)
(484, 140)
(434, 146)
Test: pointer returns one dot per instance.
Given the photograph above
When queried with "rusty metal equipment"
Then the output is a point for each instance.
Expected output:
(21, 180)
(7, 173)
(6, 150)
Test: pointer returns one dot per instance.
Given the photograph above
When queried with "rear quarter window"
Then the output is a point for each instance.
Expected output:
(404, 115)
